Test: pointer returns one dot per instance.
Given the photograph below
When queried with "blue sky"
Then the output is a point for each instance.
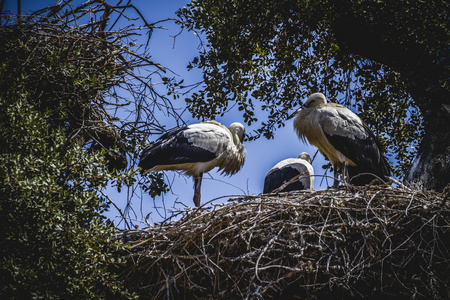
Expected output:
(261, 155)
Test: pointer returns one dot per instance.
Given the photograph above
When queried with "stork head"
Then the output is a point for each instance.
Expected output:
(305, 156)
(238, 129)
(314, 100)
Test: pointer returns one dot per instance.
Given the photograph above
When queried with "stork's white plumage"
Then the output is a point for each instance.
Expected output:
(196, 149)
(343, 138)
(286, 170)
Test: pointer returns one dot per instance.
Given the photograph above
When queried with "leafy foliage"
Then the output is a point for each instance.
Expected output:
(80, 72)
(62, 81)
(54, 241)
(278, 52)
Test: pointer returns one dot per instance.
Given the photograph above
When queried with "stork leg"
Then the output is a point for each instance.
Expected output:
(197, 188)
(336, 180)
(344, 173)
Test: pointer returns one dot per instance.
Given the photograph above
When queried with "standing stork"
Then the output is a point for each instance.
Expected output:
(343, 138)
(196, 149)
(286, 170)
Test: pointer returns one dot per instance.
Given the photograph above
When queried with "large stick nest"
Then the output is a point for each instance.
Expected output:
(332, 244)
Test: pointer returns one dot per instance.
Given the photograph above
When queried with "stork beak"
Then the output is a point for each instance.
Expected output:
(294, 113)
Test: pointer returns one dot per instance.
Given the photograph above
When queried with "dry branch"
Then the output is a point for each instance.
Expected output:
(82, 72)
(377, 241)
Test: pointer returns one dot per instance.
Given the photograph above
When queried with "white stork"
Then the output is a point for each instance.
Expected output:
(343, 138)
(196, 149)
(286, 170)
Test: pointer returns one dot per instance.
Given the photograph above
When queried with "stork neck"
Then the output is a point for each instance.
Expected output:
(235, 138)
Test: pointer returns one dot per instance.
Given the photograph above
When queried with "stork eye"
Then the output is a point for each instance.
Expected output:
(308, 103)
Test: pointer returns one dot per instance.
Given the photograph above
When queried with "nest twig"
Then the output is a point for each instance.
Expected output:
(333, 244)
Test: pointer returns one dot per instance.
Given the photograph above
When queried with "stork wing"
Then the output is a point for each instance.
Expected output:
(351, 136)
(194, 143)
(277, 178)
(284, 171)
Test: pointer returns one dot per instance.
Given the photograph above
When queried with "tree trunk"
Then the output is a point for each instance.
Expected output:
(431, 166)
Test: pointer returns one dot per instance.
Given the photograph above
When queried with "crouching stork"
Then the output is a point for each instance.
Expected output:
(286, 170)
(196, 149)
(343, 138)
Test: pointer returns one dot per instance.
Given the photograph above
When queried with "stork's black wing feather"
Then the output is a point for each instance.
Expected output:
(278, 177)
(365, 152)
(353, 138)
(173, 148)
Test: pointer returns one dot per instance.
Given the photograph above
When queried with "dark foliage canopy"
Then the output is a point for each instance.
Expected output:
(63, 74)
(387, 60)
